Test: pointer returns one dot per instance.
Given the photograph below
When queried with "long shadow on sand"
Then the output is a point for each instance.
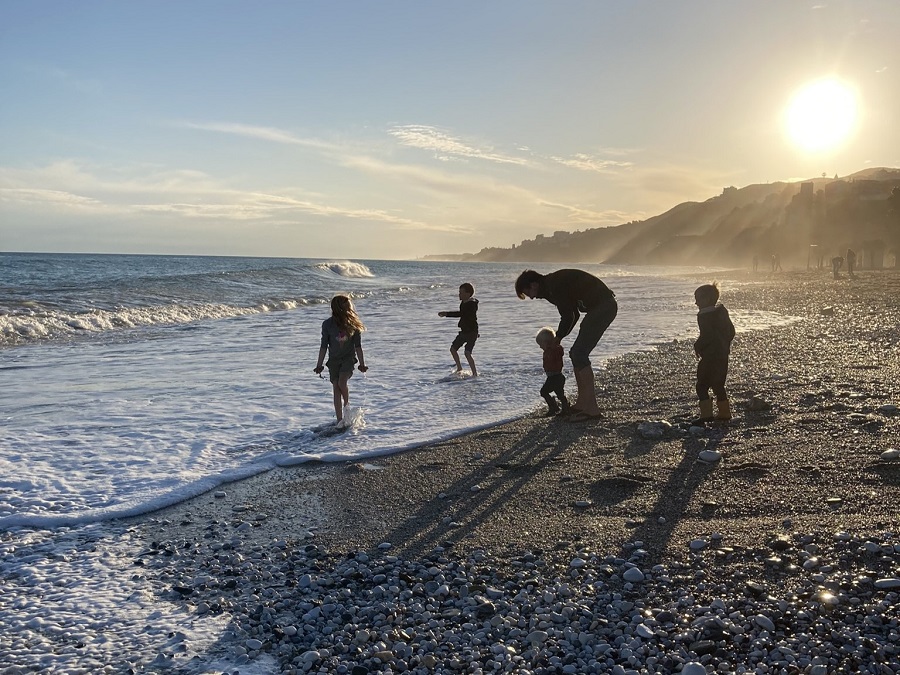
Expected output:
(487, 489)
(675, 495)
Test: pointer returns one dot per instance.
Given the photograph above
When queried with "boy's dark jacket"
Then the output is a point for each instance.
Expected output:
(468, 315)
(716, 333)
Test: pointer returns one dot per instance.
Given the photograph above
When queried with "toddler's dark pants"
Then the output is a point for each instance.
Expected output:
(711, 374)
(555, 384)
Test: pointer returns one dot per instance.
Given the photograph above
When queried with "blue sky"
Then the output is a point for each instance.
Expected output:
(398, 129)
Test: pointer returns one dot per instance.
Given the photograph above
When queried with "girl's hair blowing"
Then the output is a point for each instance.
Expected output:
(345, 316)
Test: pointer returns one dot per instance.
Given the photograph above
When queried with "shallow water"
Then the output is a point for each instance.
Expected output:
(133, 382)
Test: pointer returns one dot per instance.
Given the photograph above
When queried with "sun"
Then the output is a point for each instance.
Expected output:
(821, 115)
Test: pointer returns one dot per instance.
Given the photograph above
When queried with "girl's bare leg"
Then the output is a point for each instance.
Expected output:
(338, 409)
(345, 389)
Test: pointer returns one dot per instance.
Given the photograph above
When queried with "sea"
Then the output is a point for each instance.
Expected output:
(133, 382)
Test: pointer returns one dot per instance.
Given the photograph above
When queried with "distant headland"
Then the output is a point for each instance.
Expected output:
(803, 223)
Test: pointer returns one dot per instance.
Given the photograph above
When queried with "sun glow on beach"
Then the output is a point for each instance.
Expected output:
(821, 115)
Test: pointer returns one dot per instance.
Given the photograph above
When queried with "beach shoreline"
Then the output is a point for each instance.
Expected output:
(508, 469)
(800, 492)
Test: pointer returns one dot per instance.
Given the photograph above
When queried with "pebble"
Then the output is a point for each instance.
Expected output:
(633, 574)
(890, 454)
(297, 607)
(710, 456)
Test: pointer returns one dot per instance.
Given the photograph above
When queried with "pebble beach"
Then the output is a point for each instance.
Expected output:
(635, 544)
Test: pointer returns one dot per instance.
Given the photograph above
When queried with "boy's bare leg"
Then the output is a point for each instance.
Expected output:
(471, 361)
(455, 354)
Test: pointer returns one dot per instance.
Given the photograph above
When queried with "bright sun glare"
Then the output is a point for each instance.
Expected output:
(821, 115)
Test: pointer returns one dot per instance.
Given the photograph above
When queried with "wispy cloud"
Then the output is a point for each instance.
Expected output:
(585, 162)
(271, 134)
(66, 78)
(58, 198)
(148, 190)
(260, 206)
(448, 147)
(584, 215)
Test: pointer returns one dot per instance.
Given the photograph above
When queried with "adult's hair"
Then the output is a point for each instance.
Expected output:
(467, 287)
(345, 316)
(525, 279)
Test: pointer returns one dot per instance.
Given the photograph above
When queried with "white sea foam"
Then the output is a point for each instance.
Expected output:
(346, 269)
(20, 328)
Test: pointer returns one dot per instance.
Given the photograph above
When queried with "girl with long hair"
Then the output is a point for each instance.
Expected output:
(341, 339)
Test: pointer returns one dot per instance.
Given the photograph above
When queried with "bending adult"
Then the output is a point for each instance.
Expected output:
(573, 292)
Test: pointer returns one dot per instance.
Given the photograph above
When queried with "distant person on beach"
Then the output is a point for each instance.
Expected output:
(712, 348)
(755, 262)
(341, 339)
(836, 263)
(553, 367)
(468, 327)
(574, 291)
(851, 261)
(776, 262)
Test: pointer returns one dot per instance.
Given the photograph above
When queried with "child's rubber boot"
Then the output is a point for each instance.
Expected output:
(553, 408)
(706, 413)
(723, 410)
(564, 404)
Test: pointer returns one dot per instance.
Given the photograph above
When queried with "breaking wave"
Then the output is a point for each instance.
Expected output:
(346, 268)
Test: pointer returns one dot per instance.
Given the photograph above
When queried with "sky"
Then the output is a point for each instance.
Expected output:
(398, 129)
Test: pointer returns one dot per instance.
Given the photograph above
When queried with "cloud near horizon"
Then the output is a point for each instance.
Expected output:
(443, 201)
(445, 146)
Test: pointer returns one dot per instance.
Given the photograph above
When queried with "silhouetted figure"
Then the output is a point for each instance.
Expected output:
(712, 348)
(574, 292)
(851, 261)
(553, 368)
(755, 262)
(836, 263)
(776, 262)
(468, 327)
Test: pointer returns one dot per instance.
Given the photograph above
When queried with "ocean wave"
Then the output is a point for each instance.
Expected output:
(25, 327)
(346, 268)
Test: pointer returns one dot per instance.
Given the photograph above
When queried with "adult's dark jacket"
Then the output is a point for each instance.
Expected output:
(572, 291)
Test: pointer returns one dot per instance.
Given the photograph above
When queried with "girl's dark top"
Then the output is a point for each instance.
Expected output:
(572, 291)
(340, 344)
(716, 333)
(468, 315)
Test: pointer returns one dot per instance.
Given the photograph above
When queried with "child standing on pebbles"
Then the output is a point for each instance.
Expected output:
(712, 348)
(553, 365)
(341, 339)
